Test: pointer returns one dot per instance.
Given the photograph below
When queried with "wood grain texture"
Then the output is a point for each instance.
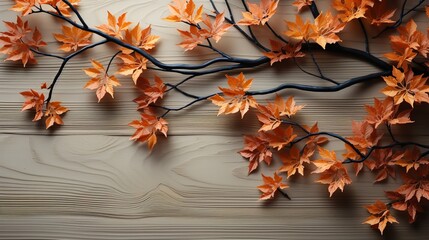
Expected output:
(86, 180)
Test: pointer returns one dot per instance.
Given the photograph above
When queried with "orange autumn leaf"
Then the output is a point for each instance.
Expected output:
(352, 9)
(364, 135)
(115, 27)
(279, 137)
(381, 161)
(326, 26)
(331, 170)
(53, 112)
(216, 29)
(18, 40)
(380, 216)
(299, 29)
(406, 86)
(191, 38)
(385, 112)
(184, 11)
(141, 38)
(270, 186)
(301, 3)
(237, 100)
(147, 129)
(151, 92)
(73, 38)
(399, 203)
(100, 80)
(35, 100)
(293, 162)
(411, 159)
(24, 6)
(259, 14)
(280, 52)
(379, 13)
(133, 64)
(43, 85)
(416, 184)
(270, 115)
(256, 150)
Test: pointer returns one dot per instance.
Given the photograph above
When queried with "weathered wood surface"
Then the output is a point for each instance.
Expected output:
(85, 180)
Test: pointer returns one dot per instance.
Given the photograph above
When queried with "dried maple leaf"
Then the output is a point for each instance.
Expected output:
(386, 112)
(331, 171)
(60, 6)
(279, 137)
(259, 14)
(216, 29)
(35, 100)
(151, 92)
(302, 3)
(399, 203)
(147, 129)
(73, 38)
(270, 115)
(184, 11)
(270, 186)
(406, 86)
(293, 162)
(380, 216)
(352, 9)
(238, 100)
(53, 112)
(140, 38)
(256, 150)
(379, 14)
(326, 27)
(411, 159)
(100, 80)
(133, 64)
(24, 6)
(18, 41)
(280, 52)
(299, 29)
(416, 184)
(381, 161)
(191, 38)
(364, 136)
(115, 27)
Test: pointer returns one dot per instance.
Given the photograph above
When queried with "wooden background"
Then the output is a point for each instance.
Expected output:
(86, 180)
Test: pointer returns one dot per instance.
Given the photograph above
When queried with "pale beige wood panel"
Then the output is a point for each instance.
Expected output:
(85, 180)
(107, 188)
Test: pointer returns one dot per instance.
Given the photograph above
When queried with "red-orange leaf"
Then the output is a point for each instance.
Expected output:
(416, 184)
(115, 27)
(53, 112)
(299, 29)
(380, 14)
(18, 40)
(35, 100)
(352, 9)
(100, 80)
(331, 171)
(406, 86)
(191, 38)
(259, 14)
(73, 38)
(293, 162)
(133, 64)
(280, 52)
(411, 159)
(184, 10)
(301, 3)
(237, 99)
(216, 29)
(380, 216)
(147, 129)
(24, 6)
(256, 150)
(326, 26)
(270, 186)
(140, 38)
(151, 92)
